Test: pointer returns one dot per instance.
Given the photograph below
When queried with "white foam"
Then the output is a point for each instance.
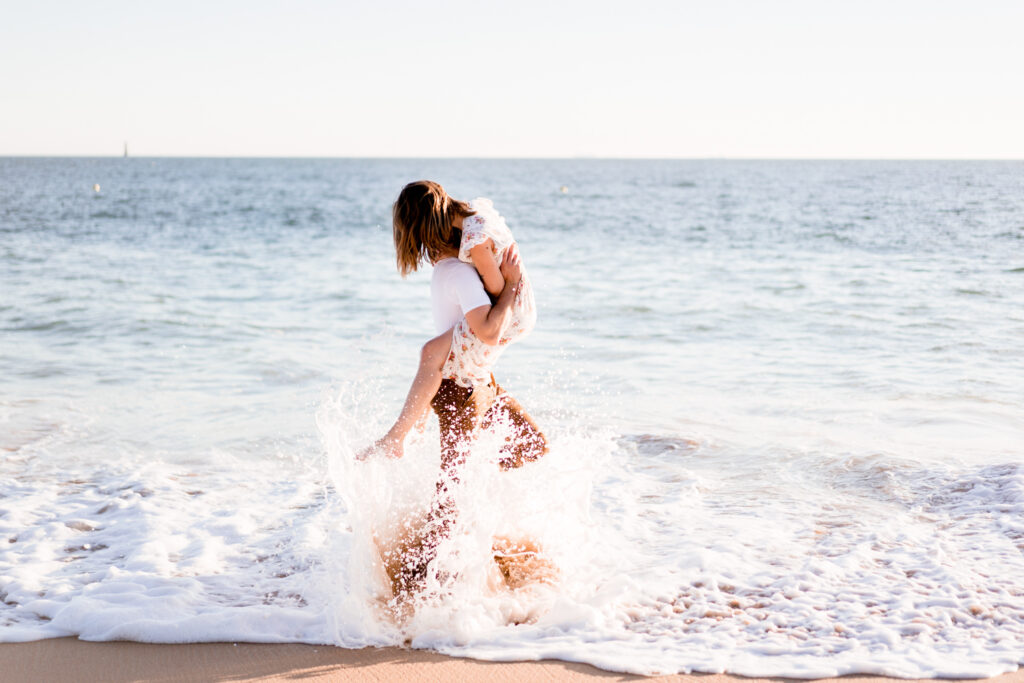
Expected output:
(672, 556)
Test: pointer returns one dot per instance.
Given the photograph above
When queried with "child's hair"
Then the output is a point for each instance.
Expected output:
(422, 221)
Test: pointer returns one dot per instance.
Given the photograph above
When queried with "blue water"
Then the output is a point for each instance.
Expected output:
(800, 375)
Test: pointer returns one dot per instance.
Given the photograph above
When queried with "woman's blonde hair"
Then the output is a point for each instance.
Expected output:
(422, 221)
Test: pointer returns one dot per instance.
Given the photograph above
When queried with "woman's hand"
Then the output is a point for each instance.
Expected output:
(511, 267)
(487, 322)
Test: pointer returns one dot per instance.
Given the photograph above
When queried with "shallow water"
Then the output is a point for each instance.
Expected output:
(784, 401)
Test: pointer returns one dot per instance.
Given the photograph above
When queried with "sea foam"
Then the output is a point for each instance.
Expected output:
(671, 554)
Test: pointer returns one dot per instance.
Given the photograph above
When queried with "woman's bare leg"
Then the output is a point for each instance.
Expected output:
(424, 386)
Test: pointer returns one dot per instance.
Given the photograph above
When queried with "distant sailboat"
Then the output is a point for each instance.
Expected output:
(126, 149)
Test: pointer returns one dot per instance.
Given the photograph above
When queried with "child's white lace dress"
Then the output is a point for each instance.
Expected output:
(470, 360)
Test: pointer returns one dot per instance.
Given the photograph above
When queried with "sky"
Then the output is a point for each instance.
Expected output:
(640, 78)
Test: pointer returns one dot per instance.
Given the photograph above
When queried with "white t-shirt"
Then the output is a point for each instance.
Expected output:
(455, 289)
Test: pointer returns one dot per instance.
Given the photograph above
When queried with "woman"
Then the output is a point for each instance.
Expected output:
(428, 226)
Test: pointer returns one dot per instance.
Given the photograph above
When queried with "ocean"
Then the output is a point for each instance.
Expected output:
(785, 402)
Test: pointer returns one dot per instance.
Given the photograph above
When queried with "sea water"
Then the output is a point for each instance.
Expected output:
(784, 402)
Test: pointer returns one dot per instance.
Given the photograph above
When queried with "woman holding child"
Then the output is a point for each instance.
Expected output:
(482, 301)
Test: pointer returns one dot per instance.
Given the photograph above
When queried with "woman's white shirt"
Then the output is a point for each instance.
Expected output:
(455, 289)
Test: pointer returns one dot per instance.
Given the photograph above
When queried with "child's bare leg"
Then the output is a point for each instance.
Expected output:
(424, 386)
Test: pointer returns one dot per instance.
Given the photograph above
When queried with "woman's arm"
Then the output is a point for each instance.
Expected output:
(487, 322)
(483, 261)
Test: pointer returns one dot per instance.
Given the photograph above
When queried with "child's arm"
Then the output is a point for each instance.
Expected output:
(483, 261)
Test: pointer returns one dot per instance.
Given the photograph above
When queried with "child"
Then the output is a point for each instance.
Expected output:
(457, 354)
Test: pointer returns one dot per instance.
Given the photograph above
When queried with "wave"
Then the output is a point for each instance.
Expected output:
(663, 553)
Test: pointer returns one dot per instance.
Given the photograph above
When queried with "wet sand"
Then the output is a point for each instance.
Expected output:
(69, 659)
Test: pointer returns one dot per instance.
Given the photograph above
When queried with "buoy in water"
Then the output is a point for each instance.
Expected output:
(564, 189)
(96, 187)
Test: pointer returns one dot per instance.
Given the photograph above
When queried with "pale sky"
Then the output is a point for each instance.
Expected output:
(646, 78)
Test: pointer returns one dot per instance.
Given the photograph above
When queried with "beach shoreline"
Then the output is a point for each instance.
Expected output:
(781, 402)
(70, 659)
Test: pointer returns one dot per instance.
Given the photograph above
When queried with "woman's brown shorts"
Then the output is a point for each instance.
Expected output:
(461, 411)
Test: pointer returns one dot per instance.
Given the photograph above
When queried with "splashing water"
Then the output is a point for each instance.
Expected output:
(544, 503)
(784, 414)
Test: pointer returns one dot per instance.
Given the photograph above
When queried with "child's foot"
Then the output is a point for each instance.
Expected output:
(388, 446)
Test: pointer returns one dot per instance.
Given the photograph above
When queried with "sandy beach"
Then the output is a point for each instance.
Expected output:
(69, 659)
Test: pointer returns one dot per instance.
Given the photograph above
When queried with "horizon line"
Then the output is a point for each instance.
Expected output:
(502, 158)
